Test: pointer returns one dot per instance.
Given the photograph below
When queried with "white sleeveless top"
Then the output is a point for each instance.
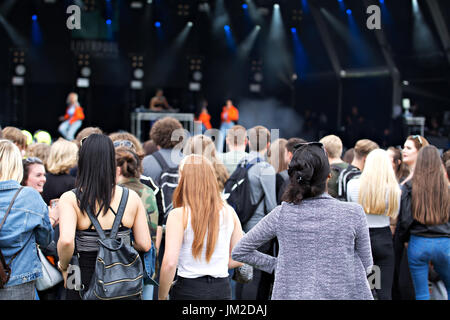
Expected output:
(188, 267)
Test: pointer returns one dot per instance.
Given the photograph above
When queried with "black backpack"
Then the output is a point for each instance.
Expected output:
(238, 188)
(344, 177)
(168, 181)
(118, 268)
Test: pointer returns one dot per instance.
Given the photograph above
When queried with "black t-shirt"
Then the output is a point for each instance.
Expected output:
(56, 185)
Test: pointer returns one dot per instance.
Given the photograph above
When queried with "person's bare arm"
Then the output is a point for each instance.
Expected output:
(235, 237)
(174, 241)
(141, 233)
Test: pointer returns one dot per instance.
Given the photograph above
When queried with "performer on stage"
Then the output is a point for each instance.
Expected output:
(73, 118)
(229, 116)
(205, 117)
(159, 102)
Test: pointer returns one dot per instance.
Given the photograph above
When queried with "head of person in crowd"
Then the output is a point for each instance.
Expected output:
(17, 137)
(333, 145)
(42, 136)
(379, 186)
(447, 170)
(62, 157)
(11, 167)
(86, 132)
(430, 200)
(276, 155)
(96, 179)
(29, 137)
(34, 173)
(349, 155)
(292, 142)
(150, 147)
(362, 149)
(401, 170)
(129, 164)
(198, 190)
(259, 139)
(237, 138)
(308, 172)
(203, 145)
(411, 148)
(162, 131)
(126, 136)
(39, 150)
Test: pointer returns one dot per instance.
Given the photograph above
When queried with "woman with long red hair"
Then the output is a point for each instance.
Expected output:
(200, 234)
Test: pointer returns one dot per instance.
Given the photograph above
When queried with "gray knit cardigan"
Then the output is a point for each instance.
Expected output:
(324, 250)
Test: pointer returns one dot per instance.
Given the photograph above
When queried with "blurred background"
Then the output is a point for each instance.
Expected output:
(306, 67)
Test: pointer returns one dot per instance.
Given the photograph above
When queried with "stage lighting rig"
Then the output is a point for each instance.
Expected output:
(195, 73)
(256, 75)
(137, 65)
(84, 70)
(18, 63)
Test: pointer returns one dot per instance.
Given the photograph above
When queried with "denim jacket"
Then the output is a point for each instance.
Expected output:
(28, 223)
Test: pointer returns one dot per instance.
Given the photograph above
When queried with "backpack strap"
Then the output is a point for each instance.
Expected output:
(160, 159)
(120, 212)
(96, 224)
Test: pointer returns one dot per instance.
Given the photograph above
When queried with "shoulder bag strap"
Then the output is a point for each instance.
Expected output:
(4, 219)
(120, 212)
(10, 206)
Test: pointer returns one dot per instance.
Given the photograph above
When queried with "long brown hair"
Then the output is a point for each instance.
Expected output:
(198, 190)
(401, 169)
(430, 194)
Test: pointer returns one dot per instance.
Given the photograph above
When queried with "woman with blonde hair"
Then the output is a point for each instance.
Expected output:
(203, 145)
(26, 225)
(63, 157)
(201, 232)
(378, 192)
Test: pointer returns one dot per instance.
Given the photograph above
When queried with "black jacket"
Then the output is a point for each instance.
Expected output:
(407, 225)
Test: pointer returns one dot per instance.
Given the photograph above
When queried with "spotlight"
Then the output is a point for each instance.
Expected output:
(197, 76)
(276, 6)
(244, 6)
(21, 70)
(293, 30)
(108, 21)
(34, 17)
(349, 12)
(340, 0)
(381, 1)
(190, 24)
(227, 28)
(157, 24)
(258, 27)
(138, 73)
(86, 72)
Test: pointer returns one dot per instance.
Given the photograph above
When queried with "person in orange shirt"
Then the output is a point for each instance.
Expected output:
(205, 117)
(73, 118)
(229, 116)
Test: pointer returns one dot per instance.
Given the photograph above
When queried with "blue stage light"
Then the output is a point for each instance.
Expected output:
(244, 6)
(157, 24)
(381, 1)
(34, 17)
(349, 12)
(108, 22)
(227, 28)
(293, 30)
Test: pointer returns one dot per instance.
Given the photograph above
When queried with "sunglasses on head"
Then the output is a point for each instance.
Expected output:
(124, 143)
(418, 138)
(32, 160)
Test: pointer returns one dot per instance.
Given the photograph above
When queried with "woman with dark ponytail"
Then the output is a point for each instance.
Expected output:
(324, 244)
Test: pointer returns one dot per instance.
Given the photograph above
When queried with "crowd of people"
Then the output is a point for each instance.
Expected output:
(287, 219)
